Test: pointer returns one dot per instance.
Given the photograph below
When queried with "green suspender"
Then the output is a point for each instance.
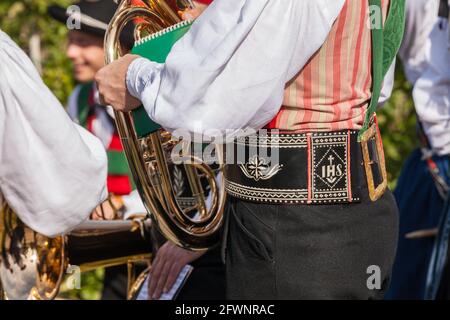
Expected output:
(385, 45)
(83, 105)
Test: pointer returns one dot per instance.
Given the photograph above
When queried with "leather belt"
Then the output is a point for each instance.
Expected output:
(305, 168)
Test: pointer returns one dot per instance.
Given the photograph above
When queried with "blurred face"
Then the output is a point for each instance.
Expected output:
(86, 53)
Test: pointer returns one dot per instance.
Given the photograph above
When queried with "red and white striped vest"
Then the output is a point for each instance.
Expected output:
(333, 90)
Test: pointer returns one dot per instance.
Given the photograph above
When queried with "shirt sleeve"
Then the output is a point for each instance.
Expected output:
(431, 92)
(52, 172)
(421, 16)
(230, 70)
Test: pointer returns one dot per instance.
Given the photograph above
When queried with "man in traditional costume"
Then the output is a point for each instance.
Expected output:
(320, 222)
(424, 182)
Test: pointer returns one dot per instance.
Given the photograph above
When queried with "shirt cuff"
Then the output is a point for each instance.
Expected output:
(141, 72)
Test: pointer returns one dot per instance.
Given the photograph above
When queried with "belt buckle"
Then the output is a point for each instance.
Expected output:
(374, 156)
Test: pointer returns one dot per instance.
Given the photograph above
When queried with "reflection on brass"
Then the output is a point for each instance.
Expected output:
(2, 293)
(135, 285)
(33, 266)
(419, 234)
(373, 135)
(149, 156)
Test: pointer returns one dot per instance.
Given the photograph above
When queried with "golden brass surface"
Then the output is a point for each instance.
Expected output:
(32, 266)
(149, 156)
(373, 135)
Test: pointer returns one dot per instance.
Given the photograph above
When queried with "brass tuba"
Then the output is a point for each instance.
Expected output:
(33, 266)
(149, 154)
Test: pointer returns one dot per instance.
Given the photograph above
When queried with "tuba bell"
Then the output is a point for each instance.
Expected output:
(148, 147)
(33, 266)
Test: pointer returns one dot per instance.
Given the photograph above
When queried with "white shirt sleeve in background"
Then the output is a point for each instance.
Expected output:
(431, 92)
(421, 15)
(426, 61)
(52, 172)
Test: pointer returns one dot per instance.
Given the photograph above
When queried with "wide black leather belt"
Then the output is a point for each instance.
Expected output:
(307, 168)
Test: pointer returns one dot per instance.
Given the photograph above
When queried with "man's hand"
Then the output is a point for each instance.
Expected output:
(112, 87)
(168, 263)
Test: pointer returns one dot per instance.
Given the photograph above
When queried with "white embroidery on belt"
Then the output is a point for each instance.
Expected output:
(258, 168)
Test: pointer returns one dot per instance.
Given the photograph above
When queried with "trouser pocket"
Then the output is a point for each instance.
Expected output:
(250, 260)
(251, 232)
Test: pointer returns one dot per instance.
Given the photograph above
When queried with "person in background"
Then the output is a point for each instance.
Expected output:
(423, 184)
(85, 50)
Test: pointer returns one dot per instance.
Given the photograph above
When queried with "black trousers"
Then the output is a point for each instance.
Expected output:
(115, 283)
(207, 280)
(309, 251)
